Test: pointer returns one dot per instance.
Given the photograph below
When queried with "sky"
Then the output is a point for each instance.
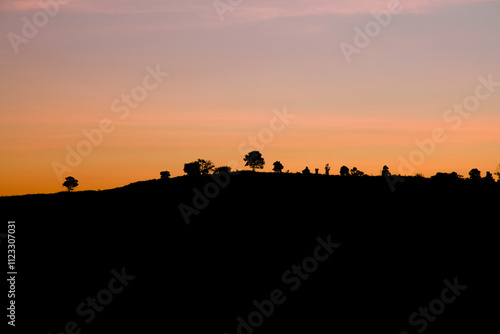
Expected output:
(112, 92)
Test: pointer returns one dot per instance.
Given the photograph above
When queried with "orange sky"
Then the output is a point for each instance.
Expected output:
(226, 80)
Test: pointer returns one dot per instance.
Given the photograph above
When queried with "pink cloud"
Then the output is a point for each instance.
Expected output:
(108, 6)
(263, 9)
(189, 14)
(259, 9)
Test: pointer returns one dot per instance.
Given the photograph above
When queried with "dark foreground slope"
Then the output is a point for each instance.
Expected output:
(372, 257)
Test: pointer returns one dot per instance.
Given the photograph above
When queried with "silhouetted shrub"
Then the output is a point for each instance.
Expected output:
(222, 169)
(446, 177)
(327, 169)
(489, 178)
(344, 171)
(206, 166)
(385, 171)
(164, 175)
(356, 172)
(192, 168)
(475, 174)
(278, 167)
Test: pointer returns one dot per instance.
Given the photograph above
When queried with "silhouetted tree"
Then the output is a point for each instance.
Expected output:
(356, 172)
(70, 183)
(475, 174)
(327, 169)
(254, 160)
(278, 167)
(192, 168)
(497, 173)
(222, 169)
(205, 166)
(385, 171)
(306, 171)
(344, 171)
(489, 177)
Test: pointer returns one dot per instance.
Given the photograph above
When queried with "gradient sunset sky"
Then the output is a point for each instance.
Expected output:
(228, 78)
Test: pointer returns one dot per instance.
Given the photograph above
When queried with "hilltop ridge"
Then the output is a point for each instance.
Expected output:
(395, 248)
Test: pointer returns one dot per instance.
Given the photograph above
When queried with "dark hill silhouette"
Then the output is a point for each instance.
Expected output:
(396, 249)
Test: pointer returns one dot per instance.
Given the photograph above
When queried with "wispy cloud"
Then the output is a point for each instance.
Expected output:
(201, 14)
(110, 6)
(262, 9)
(258, 9)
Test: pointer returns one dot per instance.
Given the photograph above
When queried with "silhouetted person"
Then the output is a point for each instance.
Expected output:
(475, 174)
(306, 171)
(278, 167)
(316, 171)
(70, 183)
(192, 168)
(164, 175)
(254, 160)
(344, 171)
(327, 169)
